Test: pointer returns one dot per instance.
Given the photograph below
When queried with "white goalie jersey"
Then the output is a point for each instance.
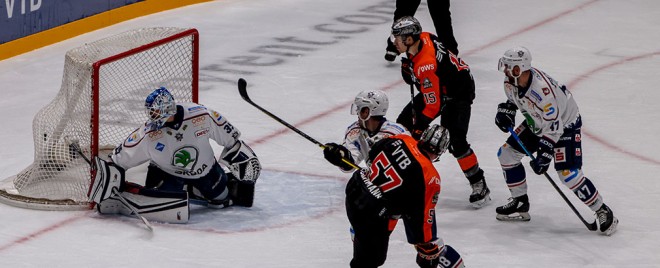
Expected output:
(359, 141)
(547, 106)
(181, 148)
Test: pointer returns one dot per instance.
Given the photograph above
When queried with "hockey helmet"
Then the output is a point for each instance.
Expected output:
(435, 140)
(406, 25)
(159, 106)
(375, 100)
(517, 56)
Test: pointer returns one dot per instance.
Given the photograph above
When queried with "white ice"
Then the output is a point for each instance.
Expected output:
(605, 51)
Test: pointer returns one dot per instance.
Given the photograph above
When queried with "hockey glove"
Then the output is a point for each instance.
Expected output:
(365, 196)
(390, 51)
(241, 161)
(108, 176)
(421, 123)
(544, 156)
(407, 71)
(428, 255)
(506, 116)
(335, 154)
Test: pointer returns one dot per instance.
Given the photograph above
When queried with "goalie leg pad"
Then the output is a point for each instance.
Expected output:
(241, 161)
(108, 176)
(152, 204)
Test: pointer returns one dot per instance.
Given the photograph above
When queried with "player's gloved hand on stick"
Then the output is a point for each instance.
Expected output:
(390, 51)
(407, 71)
(334, 153)
(544, 156)
(506, 116)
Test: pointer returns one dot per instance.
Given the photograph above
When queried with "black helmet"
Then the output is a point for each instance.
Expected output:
(435, 140)
(406, 26)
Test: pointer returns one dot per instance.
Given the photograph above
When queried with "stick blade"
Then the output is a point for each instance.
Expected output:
(242, 89)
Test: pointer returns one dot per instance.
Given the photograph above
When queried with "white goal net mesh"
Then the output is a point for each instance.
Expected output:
(100, 102)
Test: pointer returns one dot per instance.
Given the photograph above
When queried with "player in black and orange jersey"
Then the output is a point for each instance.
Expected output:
(446, 88)
(400, 183)
(441, 17)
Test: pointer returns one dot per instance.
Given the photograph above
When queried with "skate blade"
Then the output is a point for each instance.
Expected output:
(519, 216)
(480, 203)
(612, 228)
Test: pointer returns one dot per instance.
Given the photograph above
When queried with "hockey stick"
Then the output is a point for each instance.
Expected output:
(242, 89)
(591, 226)
(412, 103)
(144, 220)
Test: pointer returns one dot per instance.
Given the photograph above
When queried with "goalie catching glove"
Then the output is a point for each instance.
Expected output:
(108, 176)
(242, 162)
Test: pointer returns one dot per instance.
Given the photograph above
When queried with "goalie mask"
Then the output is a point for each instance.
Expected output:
(375, 100)
(160, 106)
(515, 57)
(435, 140)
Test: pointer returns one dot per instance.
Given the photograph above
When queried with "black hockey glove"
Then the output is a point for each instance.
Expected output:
(506, 116)
(428, 255)
(544, 156)
(390, 51)
(407, 71)
(334, 153)
(365, 196)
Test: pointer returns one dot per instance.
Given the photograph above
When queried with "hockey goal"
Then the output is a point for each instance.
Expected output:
(100, 102)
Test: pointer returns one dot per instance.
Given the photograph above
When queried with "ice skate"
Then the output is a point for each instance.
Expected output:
(516, 210)
(480, 194)
(606, 221)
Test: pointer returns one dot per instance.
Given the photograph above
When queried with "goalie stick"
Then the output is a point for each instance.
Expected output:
(591, 226)
(76, 147)
(242, 89)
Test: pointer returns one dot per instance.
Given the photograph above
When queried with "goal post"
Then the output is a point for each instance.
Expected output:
(100, 102)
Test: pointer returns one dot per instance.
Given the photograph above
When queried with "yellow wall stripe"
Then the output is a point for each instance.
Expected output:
(91, 23)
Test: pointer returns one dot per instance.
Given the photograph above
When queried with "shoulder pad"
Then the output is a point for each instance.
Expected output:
(353, 131)
(192, 109)
(393, 128)
(217, 117)
(137, 136)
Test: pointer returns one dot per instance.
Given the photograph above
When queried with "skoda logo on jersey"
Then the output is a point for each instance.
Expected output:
(185, 157)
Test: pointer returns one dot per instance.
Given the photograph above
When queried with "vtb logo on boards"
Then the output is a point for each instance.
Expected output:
(34, 5)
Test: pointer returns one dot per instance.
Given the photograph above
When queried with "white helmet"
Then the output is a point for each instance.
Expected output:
(375, 100)
(517, 56)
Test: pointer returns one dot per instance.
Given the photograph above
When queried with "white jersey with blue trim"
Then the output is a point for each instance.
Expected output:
(359, 141)
(181, 148)
(547, 106)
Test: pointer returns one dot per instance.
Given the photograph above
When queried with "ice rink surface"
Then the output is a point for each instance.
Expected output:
(308, 59)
